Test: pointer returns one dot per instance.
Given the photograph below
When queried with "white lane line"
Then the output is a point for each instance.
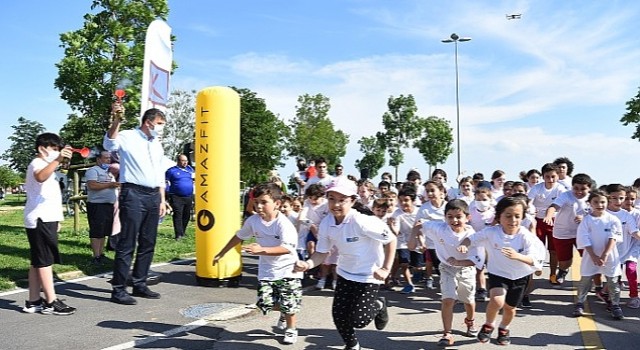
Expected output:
(159, 336)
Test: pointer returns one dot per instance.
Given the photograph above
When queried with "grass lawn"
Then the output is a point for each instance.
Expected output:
(74, 248)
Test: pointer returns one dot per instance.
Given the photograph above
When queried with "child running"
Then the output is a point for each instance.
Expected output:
(279, 288)
(631, 260)
(401, 223)
(432, 210)
(598, 234)
(457, 270)
(367, 249)
(513, 254)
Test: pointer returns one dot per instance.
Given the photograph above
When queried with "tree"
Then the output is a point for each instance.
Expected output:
(633, 115)
(106, 53)
(313, 132)
(436, 143)
(8, 177)
(373, 156)
(180, 128)
(264, 138)
(22, 149)
(400, 128)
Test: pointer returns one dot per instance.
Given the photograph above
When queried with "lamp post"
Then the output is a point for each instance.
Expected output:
(454, 38)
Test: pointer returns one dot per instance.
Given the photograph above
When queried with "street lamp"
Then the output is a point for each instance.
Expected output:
(454, 38)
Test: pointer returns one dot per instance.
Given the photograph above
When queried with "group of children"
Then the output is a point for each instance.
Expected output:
(499, 227)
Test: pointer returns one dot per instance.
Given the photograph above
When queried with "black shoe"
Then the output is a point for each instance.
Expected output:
(123, 298)
(525, 303)
(382, 318)
(145, 292)
(504, 337)
(57, 307)
(485, 333)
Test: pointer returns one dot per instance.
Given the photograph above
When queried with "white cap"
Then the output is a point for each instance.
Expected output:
(343, 186)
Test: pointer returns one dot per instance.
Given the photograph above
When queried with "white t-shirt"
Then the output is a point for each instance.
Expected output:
(311, 214)
(566, 183)
(595, 232)
(427, 212)
(542, 198)
(493, 239)
(403, 223)
(634, 250)
(447, 243)
(564, 225)
(279, 232)
(360, 239)
(325, 181)
(468, 199)
(44, 199)
(479, 220)
(627, 248)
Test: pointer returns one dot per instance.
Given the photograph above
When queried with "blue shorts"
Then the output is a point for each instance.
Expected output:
(311, 237)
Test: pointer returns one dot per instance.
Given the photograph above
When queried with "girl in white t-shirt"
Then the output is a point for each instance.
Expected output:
(598, 234)
(513, 254)
(367, 249)
(466, 190)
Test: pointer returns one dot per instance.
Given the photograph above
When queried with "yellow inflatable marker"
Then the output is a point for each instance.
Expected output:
(217, 158)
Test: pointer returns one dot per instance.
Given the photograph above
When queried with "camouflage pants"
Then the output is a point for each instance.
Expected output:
(286, 292)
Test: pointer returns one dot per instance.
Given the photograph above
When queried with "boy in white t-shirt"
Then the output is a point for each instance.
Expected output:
(42, 217)
(628, 248)
(481, 215)
(401, 223)
(542, 196)
(568, 209)
(598, 234)
(280, 288)
(457, 270)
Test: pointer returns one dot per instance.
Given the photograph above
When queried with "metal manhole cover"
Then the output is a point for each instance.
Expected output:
(217, 311)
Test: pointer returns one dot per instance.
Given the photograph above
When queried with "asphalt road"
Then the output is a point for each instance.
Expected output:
(194, 317)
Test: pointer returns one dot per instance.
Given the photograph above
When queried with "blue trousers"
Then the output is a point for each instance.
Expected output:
(139, 215)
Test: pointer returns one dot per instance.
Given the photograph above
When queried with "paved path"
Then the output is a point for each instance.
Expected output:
(193, 317)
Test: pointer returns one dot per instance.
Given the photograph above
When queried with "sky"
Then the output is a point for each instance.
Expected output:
(552, 83)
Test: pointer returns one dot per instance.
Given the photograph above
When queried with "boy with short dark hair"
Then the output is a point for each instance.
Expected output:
(280, 288)
(42, 216)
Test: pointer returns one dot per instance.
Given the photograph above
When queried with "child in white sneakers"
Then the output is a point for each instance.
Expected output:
(457, 270)
(598, 234)
(280, 288)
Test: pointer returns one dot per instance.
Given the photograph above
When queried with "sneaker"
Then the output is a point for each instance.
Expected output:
(472, 331)
(526, 302)
(429, 283)
(321, 284)
(408, 289)
(503, 337)
(290, 336)
(382, 317)
(553, 279)
(561, 276)
(485, 333)
(355, 347)
(481, 294)
(633, 303)
(282, 323)
(578, 310)
(57, 307)
(616, 312)
(334, 284)
(446, 340)
(602, 296)
(31, 307)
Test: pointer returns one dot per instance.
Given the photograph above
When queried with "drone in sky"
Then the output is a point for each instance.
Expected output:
(514, 16)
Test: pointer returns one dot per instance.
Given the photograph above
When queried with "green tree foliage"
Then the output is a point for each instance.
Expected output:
(263, 138)
(22, 149)
(400, 128)
(436, 142)
(9, 177)
(313, 133)
(180, 128)
(373, 155)
(106, 53)
(633, 115)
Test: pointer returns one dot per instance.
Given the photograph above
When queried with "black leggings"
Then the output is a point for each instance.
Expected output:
(354, 306)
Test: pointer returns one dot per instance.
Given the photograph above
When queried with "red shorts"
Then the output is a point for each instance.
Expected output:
(545, 233)
(564, 248)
